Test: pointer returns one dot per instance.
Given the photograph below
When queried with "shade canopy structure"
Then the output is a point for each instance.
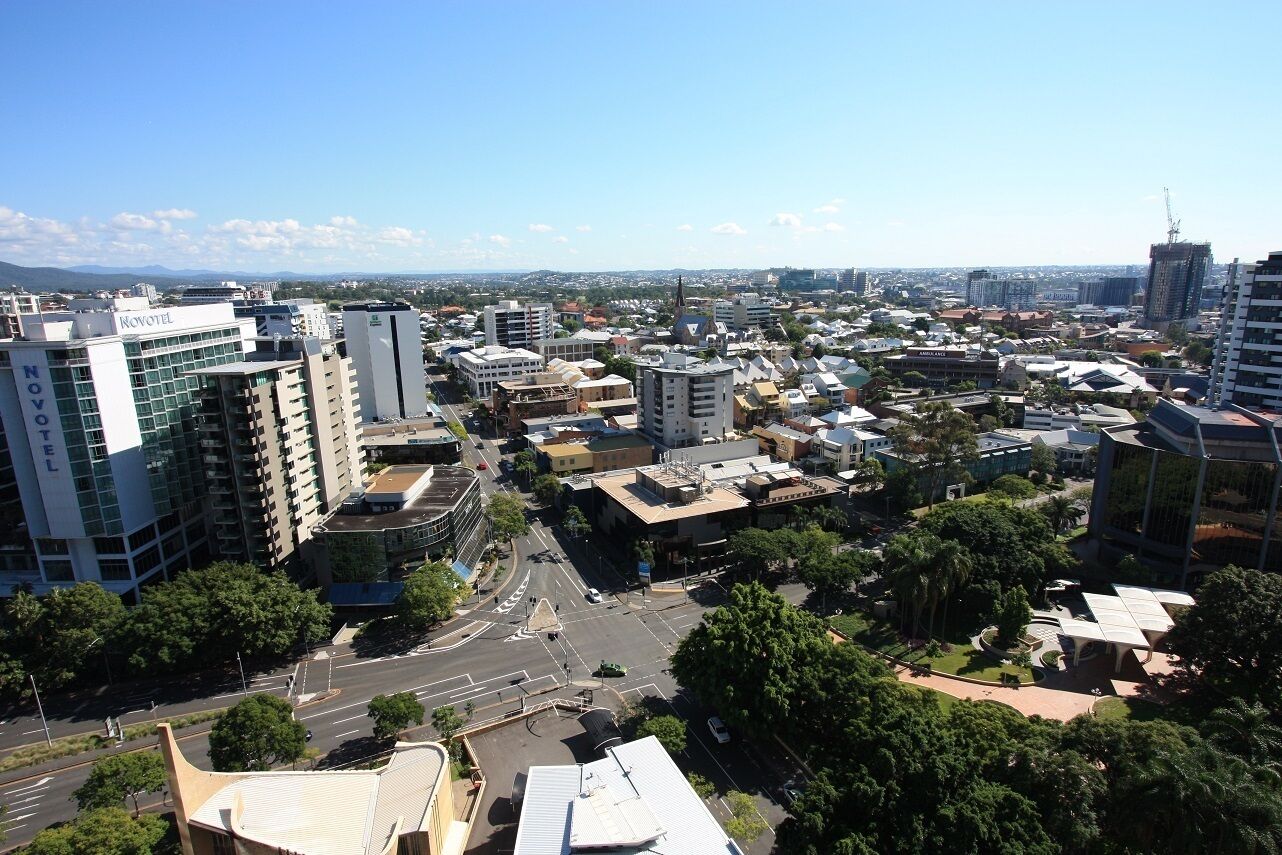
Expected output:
(1135, 619)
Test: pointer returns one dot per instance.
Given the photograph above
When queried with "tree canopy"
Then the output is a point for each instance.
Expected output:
(546, 489)
(59, 637)
(506, 513)
(256, 734)
(106, 831)
(936, 442)
(394, 713)
(668, 729)
(117, 777)
(430, 594)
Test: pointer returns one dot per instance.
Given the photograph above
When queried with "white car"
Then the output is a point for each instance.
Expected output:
(718, 728)
(593, 595)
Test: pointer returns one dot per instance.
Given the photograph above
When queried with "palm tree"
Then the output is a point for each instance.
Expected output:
(908, 561)
(953, 568)
(1061, 512)
(1246, 730)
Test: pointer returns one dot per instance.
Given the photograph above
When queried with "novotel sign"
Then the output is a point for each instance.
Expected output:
(131, 321)
(41, 412)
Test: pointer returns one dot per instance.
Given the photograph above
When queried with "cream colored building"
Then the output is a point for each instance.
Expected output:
(403, 808)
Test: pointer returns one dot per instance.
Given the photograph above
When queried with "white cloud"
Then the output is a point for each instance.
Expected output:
(341, 221)
(133, 222)
(583, 228)
(501, 240)
(831, 207)
(834, 227)
(174, 214)
(19, 228)
(728, 229)
(685, 227)
(560, 239)
(541, 227)
(791, 221)
(399, 236)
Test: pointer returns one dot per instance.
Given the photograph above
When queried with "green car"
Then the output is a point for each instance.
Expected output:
(611, 669)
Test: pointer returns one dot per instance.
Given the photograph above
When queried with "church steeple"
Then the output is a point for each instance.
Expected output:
(680, 308)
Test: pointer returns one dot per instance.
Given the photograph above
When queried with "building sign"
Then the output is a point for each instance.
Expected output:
(643, 572)
(376, 320)
(43, 428)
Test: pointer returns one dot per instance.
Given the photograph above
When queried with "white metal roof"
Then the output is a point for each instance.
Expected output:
(617, 803)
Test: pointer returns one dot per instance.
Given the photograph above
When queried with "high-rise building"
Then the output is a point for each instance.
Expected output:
(1176, 273)
(854, 281)
(1108, 291)
(225, 292)
(280, 447)
(99, 409)
(483, 368)
(1014, 294)
(1247, 369)
(683, 401)
(385, 342)
(289, 318)
(510, 324)
(744, 312)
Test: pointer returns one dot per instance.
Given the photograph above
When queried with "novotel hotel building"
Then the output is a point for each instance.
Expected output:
(99, 410)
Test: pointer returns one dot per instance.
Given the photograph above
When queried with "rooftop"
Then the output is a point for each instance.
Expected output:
(244, 369)
(447, 488)
(650, 509)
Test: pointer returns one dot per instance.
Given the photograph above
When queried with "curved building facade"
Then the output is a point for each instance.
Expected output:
(1191, 489)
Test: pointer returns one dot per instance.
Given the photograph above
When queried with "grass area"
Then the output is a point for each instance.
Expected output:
(1134, 709)
(69, 746)
(945, 700)
(973, 497)
(963, 661)
(1071, 534)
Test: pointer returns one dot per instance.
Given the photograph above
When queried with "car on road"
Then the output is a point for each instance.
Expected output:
(611, 669)
(791, 790)
(593, 595)
(719, 731)
(482, 466)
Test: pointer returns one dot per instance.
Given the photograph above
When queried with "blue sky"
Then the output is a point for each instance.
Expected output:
(384, 136)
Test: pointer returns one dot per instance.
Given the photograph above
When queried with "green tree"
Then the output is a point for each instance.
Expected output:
(870, 473)
(903, 490)
(574, 521)
(524, 465)
(907, 564)
(1152, 359)
(751, 659)
(430, 594)
(59, 637)
(1013, 615)
(756, 550)
(457, 429)
(1013, 486)
(936, 442)
(394, 713)
(205, 617)
(1044, 459)
(546, 489)
(668, 729)
(117, 777)
(914, 380)
(506, 513)
(745, 823)
(1230, 641)
(1061, 512)
(448, 723)
(1246, 730)
(1003, 414)
(833, 575)
(106, 831)
(701, 785)
(256, 734)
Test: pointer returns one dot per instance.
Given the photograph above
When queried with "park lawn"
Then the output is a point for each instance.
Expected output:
(973, 497)
(1138, 709)
(962, 661)
(1071, 534)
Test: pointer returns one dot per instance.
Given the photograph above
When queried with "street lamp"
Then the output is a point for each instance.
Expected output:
(105, 658)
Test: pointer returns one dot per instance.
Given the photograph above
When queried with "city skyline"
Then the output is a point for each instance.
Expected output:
(408, 139)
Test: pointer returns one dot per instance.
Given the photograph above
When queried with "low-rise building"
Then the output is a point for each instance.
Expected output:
(604, 452)
(406, 516)
(531, 396)
(946, 366)
(999, 455)
(482, 369)
(576, 348)
(1093, 416)
(423, 440)
(782, 443)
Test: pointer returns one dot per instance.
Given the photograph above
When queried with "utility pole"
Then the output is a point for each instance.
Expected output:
(329, 684)
(40, 707)
(241, 665)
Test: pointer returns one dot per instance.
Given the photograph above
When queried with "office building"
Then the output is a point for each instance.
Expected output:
(1010, 294)
(405, 806)
(947, 366)
(481, 369)
(406, 516)
(999, 454)
(1176, 273)
(385, 343)
(1190, 490)
(289, 318)
(280, 447)
(744, 312)
(576, 348)
(225, 292)
(1248, 351)
(100, 411)
(510, 324)
(683, 401)
(1108, 291)
(423, 440)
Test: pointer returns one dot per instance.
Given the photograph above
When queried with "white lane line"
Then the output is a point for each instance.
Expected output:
(29, 732)
(43, 783)
(467, 677)
(35, 798)
(18, 817)
(349, 733)
(346, 720)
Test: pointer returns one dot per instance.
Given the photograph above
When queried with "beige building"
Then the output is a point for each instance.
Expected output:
(404, 808)
(529, 397)
(281, 449)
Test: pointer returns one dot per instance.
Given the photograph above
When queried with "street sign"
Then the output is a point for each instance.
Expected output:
(643, 572)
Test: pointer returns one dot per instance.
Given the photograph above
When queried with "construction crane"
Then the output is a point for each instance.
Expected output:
(1172, 224)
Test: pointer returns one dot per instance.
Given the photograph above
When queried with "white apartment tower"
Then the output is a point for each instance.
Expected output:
(509, 324)
(1248, 352)
(100, 412)
(683, 401)
(744, 312)
(385, 342)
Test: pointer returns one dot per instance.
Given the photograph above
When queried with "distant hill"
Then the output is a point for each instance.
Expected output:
(57, 279)
(149, 270)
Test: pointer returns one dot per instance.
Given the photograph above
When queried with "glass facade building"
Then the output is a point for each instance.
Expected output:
(1191, 490)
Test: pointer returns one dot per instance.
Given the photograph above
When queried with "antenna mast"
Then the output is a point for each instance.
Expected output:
(1172, 224)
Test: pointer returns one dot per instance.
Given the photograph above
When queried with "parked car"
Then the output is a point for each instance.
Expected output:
(593, 595)
(611, 669)
(719, 731)
(482, 466)
(791, 790)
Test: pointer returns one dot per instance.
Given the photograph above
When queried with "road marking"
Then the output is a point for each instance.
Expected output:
(35, 798)
(20, 816)
(29, 732)
(349, 733)
(43, 782)
(366, 702)
(345, 720)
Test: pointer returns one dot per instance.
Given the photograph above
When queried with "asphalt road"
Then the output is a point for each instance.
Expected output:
(487, 658)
